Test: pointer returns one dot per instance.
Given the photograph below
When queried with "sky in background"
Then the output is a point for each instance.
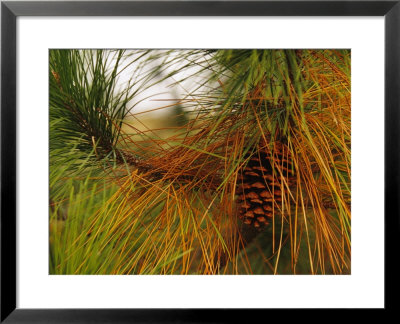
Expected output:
(164, 92)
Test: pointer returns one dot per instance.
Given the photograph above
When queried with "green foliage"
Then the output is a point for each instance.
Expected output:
(130, 202)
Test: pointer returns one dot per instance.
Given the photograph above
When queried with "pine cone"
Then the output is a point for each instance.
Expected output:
(259, 184)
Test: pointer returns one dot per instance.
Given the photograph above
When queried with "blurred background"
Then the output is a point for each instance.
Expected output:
(167, 98)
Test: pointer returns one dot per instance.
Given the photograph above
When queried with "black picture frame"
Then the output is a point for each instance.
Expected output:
(10, 10)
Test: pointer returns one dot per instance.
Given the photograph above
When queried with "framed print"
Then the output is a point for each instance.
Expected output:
(176, 160)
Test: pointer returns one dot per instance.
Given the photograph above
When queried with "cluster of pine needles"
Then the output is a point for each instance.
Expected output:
(126, 199)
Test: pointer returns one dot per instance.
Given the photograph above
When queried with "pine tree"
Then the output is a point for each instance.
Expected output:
(257, 163)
